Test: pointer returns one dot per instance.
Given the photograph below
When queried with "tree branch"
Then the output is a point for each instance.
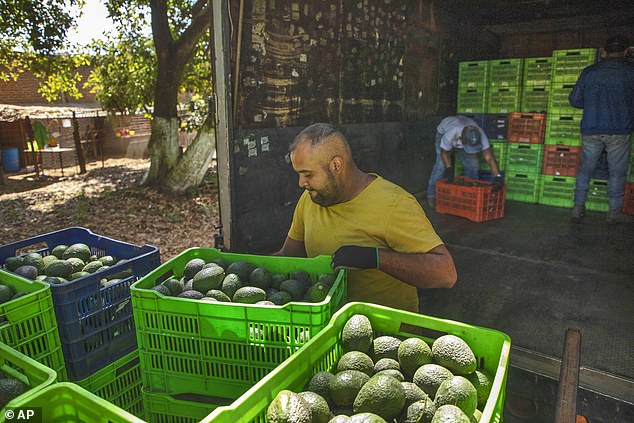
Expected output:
(160, 26)
(200, 22)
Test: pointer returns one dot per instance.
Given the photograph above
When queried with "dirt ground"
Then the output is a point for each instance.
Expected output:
(109, 201)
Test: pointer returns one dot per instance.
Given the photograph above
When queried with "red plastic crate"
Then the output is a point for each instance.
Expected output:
(477, 203)
(526, 127)
(628, 199)
(561, 160)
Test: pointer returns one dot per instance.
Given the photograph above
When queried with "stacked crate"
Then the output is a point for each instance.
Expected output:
(536, 84)
(472, 86)
(505, 86)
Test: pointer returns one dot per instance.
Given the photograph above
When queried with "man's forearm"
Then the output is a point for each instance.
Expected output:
(434, 269)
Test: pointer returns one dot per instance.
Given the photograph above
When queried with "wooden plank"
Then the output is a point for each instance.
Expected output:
(566, 407)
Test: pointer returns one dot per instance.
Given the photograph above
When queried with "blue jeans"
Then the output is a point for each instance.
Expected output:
(618, 149)
(470, 163)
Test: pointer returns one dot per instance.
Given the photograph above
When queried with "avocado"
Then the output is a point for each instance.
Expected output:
(11, 388)
(55, 280)
(209, 278)
(58, 251)
(249, 295)
(27, 271)
(302, 276)
(265, 302)
(219, 295)
(385, 347)
(162, 289)
(48, 260)
(327, 278)
(191, 294)
(241, 268)
(277, 279)
(421, 411)
(481, 379)
(346, 385)
(270, 291)
(280, 298)
(174, 286)
(230, 284)
(34, 259)
(12, 263)
(413, 353)
(450, 413)
(289, 407)
(413, 393)
(77, 264)
(294, 287)
(92, 266)
(59, 268)
(107, 260)
(318, 292)
(356, 334)
(6, 293)
(356, 360)
(386, 363)
(381, 395)
(341, 418)
(192, 267)
(21, 294)
(78, 275)
(187, 286)
(260, 278)
(396, 374)
(366, 418)
(220, 262)
(453, 353)
(209, 299)
(320, 384)
(457, 391)
(80, 251)
(428, 377)
(318, 406)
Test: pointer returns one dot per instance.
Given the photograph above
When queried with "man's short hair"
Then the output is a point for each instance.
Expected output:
(616, 44)
(314, 134)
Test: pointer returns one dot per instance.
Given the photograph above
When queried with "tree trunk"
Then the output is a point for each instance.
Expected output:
(164, 150)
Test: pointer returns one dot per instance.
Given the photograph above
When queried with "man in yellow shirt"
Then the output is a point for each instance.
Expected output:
(366, 223)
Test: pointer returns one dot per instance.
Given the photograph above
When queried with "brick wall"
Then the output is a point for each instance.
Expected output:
(24, 90)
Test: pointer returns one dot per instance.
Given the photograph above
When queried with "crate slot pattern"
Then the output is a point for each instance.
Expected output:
(561, 160)
(524, 157)
(535, 99)
(472, 100)
(569, 63)
(164, 408)
(522, 187)
(473, 74)
(527, 127)
(503, 99)
(496, 126)
(597, 199)
(557, 191)
(505, 72)
(563, 130)
(476, 203)
(558, 102)
(538, 71)
(490, 347)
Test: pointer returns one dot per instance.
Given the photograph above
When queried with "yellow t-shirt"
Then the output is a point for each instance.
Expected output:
(383, 215)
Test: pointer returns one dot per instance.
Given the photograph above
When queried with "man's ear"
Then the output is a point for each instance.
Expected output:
(336, 164)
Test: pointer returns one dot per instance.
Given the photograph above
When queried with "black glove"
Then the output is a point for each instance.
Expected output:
(355, 258)
(448, 174)
(498, 183)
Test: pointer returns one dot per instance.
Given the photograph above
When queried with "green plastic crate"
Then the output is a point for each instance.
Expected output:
(597, 199)
(569, 63)
(491, 347)
(472, 100)
(558, 103)
(473, 74)
(524, 157)
(29, 324)
(535, 99)
(503, 99)
(500, 148)
(222, 349)
(522, 186)
(164, 408)
(538, 71)
(630, 172)
(69, 403)
(119, 383)
(563, 130)
(25, 369)
(557, 191)
(505, 72)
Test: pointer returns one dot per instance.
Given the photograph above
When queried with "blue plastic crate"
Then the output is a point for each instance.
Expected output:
(95, 323)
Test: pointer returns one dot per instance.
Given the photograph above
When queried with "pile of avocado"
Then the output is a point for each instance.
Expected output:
(64, 264)
(244, 282)
(387, 379)
(10, 388)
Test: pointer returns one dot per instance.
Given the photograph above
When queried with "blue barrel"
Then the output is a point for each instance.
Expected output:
(10, 160)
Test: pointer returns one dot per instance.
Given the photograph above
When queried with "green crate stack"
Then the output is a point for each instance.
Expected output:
(522, 186)
(535, 99)
(558, 103)
(119, 383)
(568, 64)
(473, 74)
(597, 199)
(500, 149)
(563, 130)
(630, 172)
(472, 100)
(537, 72)
(29, 324)
(557, 191)
(526, 158)
(505, 73)
(503, 99)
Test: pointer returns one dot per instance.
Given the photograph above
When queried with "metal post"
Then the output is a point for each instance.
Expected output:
(221, 68)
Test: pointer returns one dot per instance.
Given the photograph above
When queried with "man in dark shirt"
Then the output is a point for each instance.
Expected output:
(605, 92)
